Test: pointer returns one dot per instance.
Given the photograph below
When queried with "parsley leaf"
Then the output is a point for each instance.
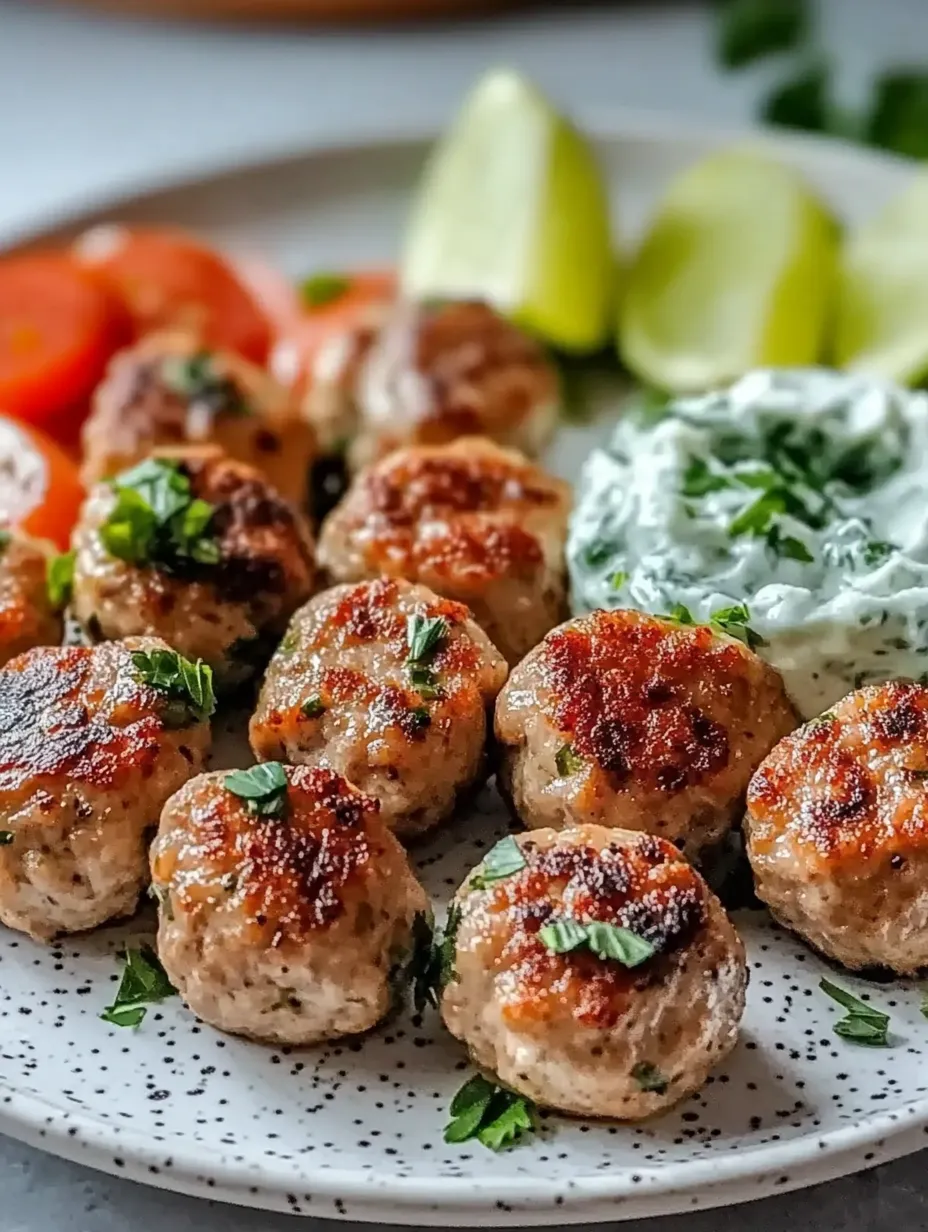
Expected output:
(734, 621)
(618, 579)
(144, 982)
(156, 519)
(680, 615)
(321, 289)
(188, 686)
(59, 578)
(700, 480)
(494, 1115)
(752, 29)
(425, 682)
(650, 1078)
(788, 546)
(424, 969)
(567, 761)
(863, 1023)
(313, 707)
(6, 837)
(197, 379)
(424, 635)
(803, 101)
(898, 119)
(448, 947)
(605, 940)
(876, 551)
(262, 787)
(503, 860)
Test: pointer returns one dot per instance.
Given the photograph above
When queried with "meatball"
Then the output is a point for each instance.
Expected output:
(28, 617)
(574, 1028)
(199, 550)
(425, 374)
(837, 829)
(631, 720)
(89, 753)
(166, 391)
(476, 523)
(288, 918)
(389, 685)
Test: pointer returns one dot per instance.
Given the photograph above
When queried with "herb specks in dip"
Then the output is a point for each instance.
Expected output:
(800, 493)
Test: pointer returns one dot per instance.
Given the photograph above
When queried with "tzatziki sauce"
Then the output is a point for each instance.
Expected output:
(799, 493)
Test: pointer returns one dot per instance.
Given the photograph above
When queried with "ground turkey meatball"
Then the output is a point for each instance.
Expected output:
(348, 688)
(27, 615)
(474, 522)
(837, 829)
(631, 720)
(289, 919)
(88, 755)
(168, 391)
(223, 593)
(426, 374)
(575, 1029)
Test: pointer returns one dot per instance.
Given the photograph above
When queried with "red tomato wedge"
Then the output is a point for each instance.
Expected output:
(272, 291)
(58, 329)
(167, 280)
(355, 294)
(39, 486)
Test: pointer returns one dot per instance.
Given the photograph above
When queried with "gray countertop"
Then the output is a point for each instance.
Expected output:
(91, 104)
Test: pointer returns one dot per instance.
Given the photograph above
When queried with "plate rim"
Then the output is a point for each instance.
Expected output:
(775, 1167)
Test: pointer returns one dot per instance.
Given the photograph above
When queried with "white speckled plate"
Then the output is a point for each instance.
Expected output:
(354, 1130)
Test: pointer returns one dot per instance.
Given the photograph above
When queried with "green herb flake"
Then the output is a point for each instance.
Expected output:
(313, 707)
(752, 29)
(59, 579)
(198, 379)
(262, 787)
(502, 861)
(424, 636)
(603, 939)
(804, 100)
(700, 480)
(322, 289)
(734, 621)
(788, 546)
(650, 1078)
(424, 968)
(567, 762)
(6, 837)
(618, 579)
(187, 686)
(144, 982)
(447, 949)
(924, 1005)
(6, 538)
(494, 1115)
(898, 118)
(425, 682)
(863, 1024)
(876, 551)
(157, 521)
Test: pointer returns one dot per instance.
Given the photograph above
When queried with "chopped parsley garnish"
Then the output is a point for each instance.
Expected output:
(820, 720)
(605, 940)
(6, 837)
(187, 686)
(598, 552)
(734, 621)
(751, 29)
(863, 1023)
(156, 519)
(448, 946)
(144, 982)
(197, 379)
(876, 551)
(313, 707)
(424, 969)
(699, 479)
(262, 787)
(420, 717)
(680, 614)
(494, 1115)
(425, 682)
(618, 579)
(503, 860)
(567, 761)
(788, 546)
(424, 635)
(650, 1078)
(321, 289)
(59, 579)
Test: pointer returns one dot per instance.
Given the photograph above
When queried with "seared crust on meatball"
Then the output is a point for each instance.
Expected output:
(582, 1033)
(474, 522)
(837, 829)
(88, 756)
(289, 928)
(425, 374)
(230, 613)
(167, 391)
(341, 692)
(631, 720)
(27, 617)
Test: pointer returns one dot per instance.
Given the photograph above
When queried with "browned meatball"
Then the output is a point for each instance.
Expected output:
(633, 720)
(579, 1029)
(167, 391)
(27, 615)
(837, 829)
(474, 522)
(88, 755)
(290, 925)
(426, 374)
(341, 692)
(225, 596)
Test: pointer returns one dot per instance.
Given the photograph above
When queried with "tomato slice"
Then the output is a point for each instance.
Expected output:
(355, 296)
(39, 486)
(167, 280)
(58, 329)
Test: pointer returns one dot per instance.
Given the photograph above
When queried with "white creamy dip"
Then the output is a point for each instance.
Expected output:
(800, 493)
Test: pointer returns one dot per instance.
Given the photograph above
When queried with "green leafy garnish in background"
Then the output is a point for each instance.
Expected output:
(144, 982)
(863, 1023)
(188, 686)
(503, 860)
(750, 29)
(321, 289)
(197, 379)
(156, 519)
(494, 1115)
(603, 939)
(59, 578)
(262, 787)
